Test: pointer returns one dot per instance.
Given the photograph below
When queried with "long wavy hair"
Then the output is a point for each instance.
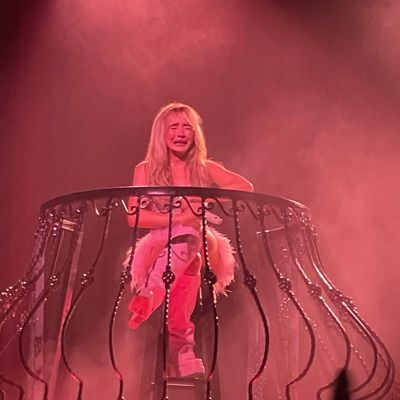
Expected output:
(157, 165)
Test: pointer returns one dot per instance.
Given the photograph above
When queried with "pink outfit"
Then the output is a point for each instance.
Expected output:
(149, 263)
(149, 247)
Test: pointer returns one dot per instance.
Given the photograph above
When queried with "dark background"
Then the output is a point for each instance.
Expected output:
(301, 97)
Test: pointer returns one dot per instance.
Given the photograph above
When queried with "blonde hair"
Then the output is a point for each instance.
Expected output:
(157, 166)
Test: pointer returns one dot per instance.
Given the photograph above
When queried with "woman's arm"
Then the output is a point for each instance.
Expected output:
(224, 178)
(151, 219)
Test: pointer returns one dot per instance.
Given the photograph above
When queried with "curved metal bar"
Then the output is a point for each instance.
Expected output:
(51, 229)
(311, 356)
(359, 323)
(389, 378)
(230, 212)
(337, 301)
(181, 199)
(390, 381)
(316, 293)
(54, 281)
(251, 282)
(346, 305)
(86, 280)
(40, 235)
(52, 284)
(14, 295)
(25, 288)
(134, 208)
(125, 278)
(168, 277)
(73, 245)
(210, 279)
(174, 191)
(103, 211)
(210, 205)
(57, 234)
(279, 218)
(285, 285)
(253, 212)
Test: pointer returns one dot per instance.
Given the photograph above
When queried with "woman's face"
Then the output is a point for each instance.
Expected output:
(179, 136)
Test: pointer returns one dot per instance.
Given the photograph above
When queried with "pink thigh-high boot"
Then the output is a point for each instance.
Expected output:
(150, 295)
(183, 360)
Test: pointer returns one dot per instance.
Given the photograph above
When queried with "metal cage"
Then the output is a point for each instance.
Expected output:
(297, 328)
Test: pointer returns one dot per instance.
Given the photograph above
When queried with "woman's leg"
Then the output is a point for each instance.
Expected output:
(184, 249)
(180, 327)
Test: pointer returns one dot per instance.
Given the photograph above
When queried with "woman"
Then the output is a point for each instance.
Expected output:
(177, 156)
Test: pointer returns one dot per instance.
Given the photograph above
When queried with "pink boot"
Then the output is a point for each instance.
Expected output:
(181, 329)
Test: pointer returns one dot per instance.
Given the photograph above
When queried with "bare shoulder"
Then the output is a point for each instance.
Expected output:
(214, 166)
(141, 166)
(217, 169)
(225, 178)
